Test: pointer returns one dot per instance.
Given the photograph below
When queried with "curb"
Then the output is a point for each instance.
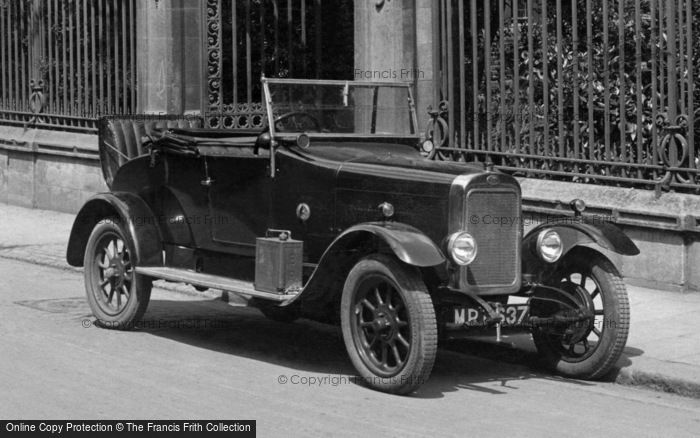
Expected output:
(657, 375)
(663, 376)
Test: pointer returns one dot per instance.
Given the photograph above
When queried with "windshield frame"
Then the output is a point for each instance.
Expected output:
(391, 84)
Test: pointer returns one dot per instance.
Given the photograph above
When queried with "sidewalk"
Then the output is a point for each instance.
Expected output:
(41, 237)
(663, 350)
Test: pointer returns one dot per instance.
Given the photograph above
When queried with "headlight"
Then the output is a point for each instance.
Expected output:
(462, 248)
(549, 245)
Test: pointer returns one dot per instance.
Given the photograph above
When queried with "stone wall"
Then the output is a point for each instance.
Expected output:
(48, 169)
(666, 228)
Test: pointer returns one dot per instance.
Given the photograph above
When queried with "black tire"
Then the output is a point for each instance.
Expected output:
(286, 314)
(388, 323)
(117, 295)
(595, 282)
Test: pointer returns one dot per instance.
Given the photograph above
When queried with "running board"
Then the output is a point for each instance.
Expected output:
(211, 281)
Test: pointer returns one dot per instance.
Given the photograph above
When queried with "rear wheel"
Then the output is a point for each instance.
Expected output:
(388, 324)
(588, 350)
(117, 295)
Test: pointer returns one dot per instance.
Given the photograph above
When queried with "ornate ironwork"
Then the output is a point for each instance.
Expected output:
(557, 91)
(214, 61)
(218, 113)
(245, 40)
(242, 115)
(672, 151)
(62, 67)
(37, 101)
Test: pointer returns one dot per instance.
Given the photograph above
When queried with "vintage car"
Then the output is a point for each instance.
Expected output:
(333, 213)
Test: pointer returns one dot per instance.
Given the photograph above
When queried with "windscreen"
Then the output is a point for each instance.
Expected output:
(347, 108)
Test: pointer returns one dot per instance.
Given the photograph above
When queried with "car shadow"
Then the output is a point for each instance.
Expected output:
(522, 352)
(307, 346)
(624, 361)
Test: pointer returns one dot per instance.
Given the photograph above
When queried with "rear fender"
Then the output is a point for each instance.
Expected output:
(133, 212)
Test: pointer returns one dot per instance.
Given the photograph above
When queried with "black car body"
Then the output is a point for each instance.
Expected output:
(333, 213)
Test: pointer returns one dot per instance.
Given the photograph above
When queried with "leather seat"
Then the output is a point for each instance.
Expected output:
(122, 138)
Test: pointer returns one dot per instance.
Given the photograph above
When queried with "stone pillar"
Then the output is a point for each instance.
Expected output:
(394, 40)
(169, 56)
(426, 56)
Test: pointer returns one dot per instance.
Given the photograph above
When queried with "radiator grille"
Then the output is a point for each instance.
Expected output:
(493, 220)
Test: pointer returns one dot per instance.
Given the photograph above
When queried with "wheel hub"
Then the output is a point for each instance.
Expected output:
(116, 269)
(115, 265)
(384, 323)
(579, 330)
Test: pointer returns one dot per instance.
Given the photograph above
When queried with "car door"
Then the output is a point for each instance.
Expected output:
(239, 200)
(304, 186)
(183, 201)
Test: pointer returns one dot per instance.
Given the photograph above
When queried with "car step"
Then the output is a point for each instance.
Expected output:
(211, 281)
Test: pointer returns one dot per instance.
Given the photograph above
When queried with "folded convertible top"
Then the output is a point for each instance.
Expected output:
(208, 142)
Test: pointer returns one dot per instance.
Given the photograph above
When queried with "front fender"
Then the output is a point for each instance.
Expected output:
(322, 292)
(574, 234)
(133, 212)
(409, 244)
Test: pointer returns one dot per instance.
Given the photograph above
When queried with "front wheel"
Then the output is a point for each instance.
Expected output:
(588, 350)
(117, 295)
(388, 323)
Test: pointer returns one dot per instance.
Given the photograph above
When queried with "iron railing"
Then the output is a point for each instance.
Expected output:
(64, 63)
(594, 91)
(246, 39)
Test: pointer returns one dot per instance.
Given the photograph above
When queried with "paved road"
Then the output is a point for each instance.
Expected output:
(225, 362)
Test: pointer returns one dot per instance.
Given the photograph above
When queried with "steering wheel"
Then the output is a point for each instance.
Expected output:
(288, 123)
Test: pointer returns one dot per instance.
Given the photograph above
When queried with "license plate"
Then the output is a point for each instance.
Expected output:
(513, 315)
